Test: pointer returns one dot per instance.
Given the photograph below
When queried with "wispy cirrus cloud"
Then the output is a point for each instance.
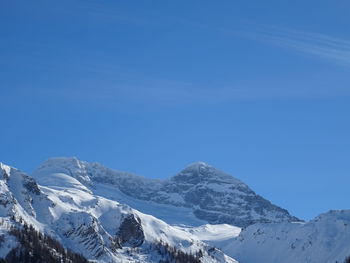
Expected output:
(332, 49)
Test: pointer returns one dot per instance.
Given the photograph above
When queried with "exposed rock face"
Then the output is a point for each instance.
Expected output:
(220, 198)
(86, 231)
(18, 188)
(30, 184)
(6, 199)
(130, 232)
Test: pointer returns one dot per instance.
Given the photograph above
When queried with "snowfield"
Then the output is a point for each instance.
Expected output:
(324, 239)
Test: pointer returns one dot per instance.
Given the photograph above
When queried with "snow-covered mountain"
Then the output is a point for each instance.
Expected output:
(196, 216)
(99, 228)
(204, 193)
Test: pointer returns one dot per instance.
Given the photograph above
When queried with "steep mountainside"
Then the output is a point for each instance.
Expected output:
(100, 229)
(202, 191)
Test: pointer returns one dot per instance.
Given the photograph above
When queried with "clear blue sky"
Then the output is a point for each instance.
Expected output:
(259, 90)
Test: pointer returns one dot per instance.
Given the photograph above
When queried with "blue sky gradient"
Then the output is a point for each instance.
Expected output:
(258, 90)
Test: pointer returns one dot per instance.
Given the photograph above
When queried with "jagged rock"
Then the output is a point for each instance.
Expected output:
(85, 230)
(5, 199)
(31, 185)
(130, 232)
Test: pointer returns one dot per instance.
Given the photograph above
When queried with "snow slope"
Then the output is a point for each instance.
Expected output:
(215, 235)
(326, 239)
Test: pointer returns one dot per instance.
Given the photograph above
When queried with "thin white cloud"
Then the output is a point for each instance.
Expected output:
(332, 49)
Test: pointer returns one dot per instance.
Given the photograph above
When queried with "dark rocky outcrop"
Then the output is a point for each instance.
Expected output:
(31, 185)
(130, 232)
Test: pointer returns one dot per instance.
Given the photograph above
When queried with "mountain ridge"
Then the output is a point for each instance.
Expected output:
(213, 195)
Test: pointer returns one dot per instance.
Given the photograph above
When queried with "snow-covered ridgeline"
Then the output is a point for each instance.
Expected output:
(206, 193)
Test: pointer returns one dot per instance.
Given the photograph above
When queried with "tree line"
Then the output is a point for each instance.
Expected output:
(171, 254)
(36, 247)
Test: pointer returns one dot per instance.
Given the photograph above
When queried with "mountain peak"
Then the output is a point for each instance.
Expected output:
(66, 165)
(60, 161)
(4, 167)
(200, 172)
(197, 166)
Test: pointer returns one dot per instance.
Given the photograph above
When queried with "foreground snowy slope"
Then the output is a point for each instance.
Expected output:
(215, 235)
(202, 193)
(100, 229)
(326, 239)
